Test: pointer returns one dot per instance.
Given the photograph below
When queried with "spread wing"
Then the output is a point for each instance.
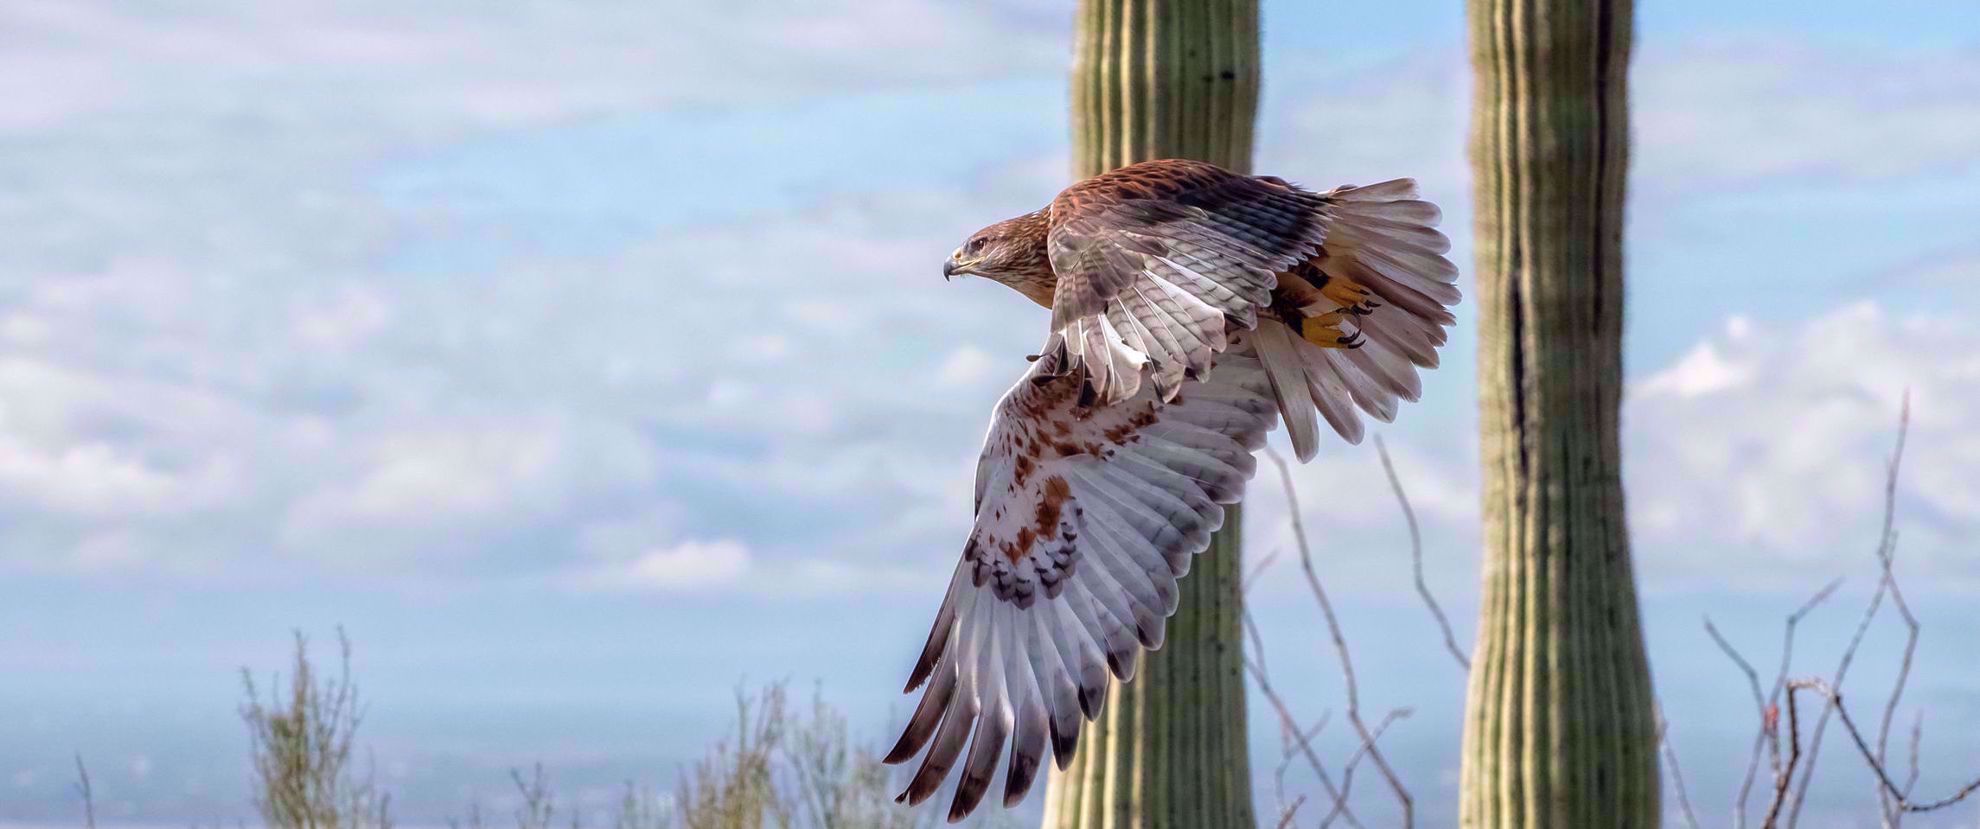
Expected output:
(1085, 518)
(1152, 259)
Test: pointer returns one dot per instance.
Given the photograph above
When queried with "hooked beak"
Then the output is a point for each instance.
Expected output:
(955, 266)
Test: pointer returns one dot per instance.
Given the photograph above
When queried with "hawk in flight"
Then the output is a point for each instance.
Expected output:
(1192, 308)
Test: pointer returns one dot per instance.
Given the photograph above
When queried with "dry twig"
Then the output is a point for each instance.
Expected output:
(1289, 724)
(1286, 816)
(1340, 646)
(1917, 737)
(1287, 753)
(1347, 772)
(1677, 774)
(1787, 773)
(89, 795)
(1768, 708)
(1886, 585)
(1887, 549)
(1416, 556)
(1256, 571)
(1900, 799)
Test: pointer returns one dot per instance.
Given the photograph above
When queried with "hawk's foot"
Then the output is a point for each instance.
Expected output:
(1352, 298)
(1329, 330)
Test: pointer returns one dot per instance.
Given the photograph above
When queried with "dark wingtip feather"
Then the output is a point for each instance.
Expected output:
(938, 640)
(928, 715)
(903, 751)
(1150, 633)
(949, 742)
(1024, 768)
(1027, 750)
(1090, 700)
(980, 765)
(1063, 745)
(969, 793)
(1121, 662)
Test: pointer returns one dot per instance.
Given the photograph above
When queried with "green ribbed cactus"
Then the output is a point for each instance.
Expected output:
(1559, 727)
(1168, 79)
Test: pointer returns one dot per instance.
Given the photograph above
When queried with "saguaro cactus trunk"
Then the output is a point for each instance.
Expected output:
(1168, 79)
(1559, 727)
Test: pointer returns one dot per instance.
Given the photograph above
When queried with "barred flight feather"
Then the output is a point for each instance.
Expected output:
(1089, 516)
(1192, 309)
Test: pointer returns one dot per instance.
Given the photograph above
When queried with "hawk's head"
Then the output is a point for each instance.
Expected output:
(1011, 251)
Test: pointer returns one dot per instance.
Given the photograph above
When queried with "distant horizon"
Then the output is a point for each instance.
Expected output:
(1711, 720)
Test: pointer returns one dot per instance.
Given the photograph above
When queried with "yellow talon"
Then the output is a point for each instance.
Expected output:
(1352, 298)
(1328, 330)
(1344, 292)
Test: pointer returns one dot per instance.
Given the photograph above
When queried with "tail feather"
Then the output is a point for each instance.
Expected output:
(1278, 349)
(1382, 245)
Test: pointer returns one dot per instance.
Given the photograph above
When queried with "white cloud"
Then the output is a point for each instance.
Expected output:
(67, 447)
(373, 423)
(1766, 446)
(232, 350)
(730, 565)
(459, 491)
(1703, 370)
(686, 566)
(1754, 457)
(1726, 113)
(967, 365)
(1400, 118)
(437, 66)
(1713, 114)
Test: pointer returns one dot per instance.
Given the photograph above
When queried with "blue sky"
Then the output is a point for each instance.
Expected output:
(586, 362)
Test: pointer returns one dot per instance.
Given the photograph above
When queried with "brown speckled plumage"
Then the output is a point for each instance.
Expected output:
(1192, 308)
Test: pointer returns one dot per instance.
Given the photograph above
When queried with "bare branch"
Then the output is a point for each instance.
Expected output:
(1258, 570)
(1917, 737)
(1290, 724)
(1298, 742)
(1782, 779)
(1293, 740)
(1759, 737)
(1893, 818)
(1347, 772)
(1767, 735)
(1901, 800)
(1286, 817)
(1671, 760)
(1903, 676)
(1257, 640)
(1340, 645)
(1416, 557)
(89, 795)
(538, 804)
(1886, 552)
(1787, 647)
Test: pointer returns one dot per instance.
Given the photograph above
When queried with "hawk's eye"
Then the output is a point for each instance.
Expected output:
(976, 244)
